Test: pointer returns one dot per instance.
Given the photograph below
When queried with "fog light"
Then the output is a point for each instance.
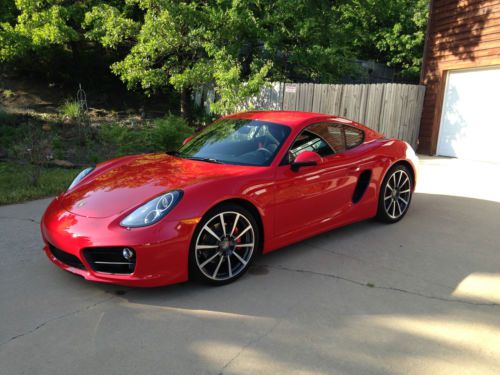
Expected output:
(127, 253)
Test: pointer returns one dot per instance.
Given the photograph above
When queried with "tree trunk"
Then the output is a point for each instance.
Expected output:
(186, 104)
(77, 64)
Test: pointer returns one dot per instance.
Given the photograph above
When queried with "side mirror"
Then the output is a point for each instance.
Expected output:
(306, 159)
(187, 140)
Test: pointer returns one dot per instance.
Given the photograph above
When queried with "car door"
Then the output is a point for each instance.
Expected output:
(314, 195)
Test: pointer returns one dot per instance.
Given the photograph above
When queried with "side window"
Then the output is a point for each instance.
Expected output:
(332, 133)
(325, 138)
(336, 137)
(310, 141)
(353, 137)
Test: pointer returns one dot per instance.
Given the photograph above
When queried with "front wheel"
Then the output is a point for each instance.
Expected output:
(224, 245)
(395, 194)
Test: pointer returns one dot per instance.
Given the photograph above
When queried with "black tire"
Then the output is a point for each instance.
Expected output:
(233, 254)
(395, 194)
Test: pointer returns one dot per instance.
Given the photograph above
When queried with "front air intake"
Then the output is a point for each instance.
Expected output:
(66, 258)
(110, 259)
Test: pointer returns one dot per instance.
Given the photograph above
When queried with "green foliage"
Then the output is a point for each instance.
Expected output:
(8, 12)
(231, 92)
(12, 132)
(121, 140)
(33, 150)
(17, 187)
(391, 32)
(70, 109)
(237, 46)
(7, 94)
(6, 118)
(167, 133)
(40, 24)
(108, 26)
(160, 135)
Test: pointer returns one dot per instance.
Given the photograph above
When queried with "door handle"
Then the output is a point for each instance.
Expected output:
(354, 169)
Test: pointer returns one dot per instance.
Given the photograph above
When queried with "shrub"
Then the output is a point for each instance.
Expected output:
(7, 94)
(10, 132)
(6, 118)
(168, 133)
(163, 134)
(33, 151)
(70, 109)
(121, 140)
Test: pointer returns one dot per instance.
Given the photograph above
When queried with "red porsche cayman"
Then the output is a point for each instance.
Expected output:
(249, 183)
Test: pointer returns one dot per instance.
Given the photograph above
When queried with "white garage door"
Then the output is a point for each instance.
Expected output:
(470, 121)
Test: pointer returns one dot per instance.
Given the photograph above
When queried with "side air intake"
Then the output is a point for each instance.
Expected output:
(363, 182)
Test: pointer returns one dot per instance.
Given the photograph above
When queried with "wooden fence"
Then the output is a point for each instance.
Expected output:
(391, 109)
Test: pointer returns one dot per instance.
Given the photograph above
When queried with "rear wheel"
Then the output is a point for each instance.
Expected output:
(224, 244)
(395, 194)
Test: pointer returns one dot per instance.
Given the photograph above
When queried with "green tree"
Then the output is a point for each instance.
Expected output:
(390, 32)
(178, 43)
(8, 11)
(235, 45)
(39, 25)
(42, 35)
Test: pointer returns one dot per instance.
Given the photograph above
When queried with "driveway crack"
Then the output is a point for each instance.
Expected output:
(63, 316)
(378, 265)
(394, 289)
(20, 219)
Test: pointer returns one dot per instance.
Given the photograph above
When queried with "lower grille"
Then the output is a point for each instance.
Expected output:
(66, 258)
(109, 260)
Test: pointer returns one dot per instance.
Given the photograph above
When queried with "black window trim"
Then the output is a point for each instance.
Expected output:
(286, 161)
(355, 128)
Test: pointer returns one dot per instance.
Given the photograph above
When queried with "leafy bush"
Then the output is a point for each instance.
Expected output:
(10, 132)
(70, 109)
(6, 118)
(33, 151)
(168, 133)
(160, 135)
(7, 94)
(119, 140)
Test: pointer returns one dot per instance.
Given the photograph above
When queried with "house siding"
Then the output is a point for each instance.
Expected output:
(462, 34)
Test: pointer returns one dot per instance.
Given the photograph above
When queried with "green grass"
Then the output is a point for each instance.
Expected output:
(15, 186)
(70, 109)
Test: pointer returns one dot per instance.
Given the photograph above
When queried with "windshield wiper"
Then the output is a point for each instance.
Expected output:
(208, 160)
(181, 155)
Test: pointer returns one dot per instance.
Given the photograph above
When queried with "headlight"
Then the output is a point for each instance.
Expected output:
(80, 177)
(152, 211)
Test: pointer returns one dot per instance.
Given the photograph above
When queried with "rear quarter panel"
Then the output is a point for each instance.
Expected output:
(376, 155)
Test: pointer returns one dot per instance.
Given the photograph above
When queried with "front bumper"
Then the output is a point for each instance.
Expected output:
(161, 250)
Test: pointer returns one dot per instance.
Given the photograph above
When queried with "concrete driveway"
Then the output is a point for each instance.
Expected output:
(418, 297)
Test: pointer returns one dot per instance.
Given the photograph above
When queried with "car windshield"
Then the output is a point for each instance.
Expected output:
(237, 141)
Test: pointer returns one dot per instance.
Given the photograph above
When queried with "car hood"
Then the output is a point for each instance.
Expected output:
(125, 183)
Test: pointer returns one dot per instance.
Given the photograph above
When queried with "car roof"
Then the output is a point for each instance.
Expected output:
(298, 118)
(290, 118)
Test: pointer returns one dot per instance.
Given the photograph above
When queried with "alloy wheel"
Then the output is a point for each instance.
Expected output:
(397, 194)
(225, 245)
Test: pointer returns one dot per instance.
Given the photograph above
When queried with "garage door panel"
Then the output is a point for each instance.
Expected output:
(470, 120)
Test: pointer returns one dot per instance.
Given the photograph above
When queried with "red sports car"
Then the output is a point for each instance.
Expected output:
(249, 183)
